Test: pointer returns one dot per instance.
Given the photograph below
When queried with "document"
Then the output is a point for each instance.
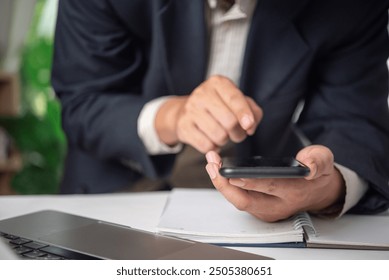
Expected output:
(205, 215)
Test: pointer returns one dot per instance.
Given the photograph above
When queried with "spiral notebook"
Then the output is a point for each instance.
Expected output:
(204, 215)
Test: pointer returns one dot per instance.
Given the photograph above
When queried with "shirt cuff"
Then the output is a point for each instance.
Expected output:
(147, 132)
(356, 187)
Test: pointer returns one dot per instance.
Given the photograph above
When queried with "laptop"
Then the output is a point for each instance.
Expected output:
(50, 234)
(6, 253)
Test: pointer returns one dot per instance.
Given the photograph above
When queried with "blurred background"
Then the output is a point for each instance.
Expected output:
(32, 144)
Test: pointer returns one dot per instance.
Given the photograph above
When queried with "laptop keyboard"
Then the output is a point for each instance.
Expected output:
(30, 249)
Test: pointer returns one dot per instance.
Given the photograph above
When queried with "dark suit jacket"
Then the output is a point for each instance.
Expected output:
(113, 56)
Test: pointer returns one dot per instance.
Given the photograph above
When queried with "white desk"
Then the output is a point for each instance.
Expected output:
(142, 211)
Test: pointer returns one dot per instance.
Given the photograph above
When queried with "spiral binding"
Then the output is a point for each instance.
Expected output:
(303, 220)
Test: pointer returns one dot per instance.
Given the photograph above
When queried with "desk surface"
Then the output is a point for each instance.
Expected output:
(142, 211)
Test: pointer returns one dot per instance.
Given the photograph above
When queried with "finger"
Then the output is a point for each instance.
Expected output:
(210, 127)
(190, 134)
(258, 114)
(236, 101)
(262, 206)
(238, 197)
(225, 117)
(269, 186)
(318, 158)
(213, 157)
(207, 98)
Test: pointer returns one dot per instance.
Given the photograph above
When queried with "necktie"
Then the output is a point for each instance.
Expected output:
(225, 5)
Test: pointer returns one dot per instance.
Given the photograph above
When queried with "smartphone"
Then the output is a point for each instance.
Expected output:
(262, 167)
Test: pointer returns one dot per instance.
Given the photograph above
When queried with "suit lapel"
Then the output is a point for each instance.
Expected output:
(184, 43)
(274, 48)
(271, 31)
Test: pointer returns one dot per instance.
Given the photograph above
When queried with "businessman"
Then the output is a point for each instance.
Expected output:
(141, 83)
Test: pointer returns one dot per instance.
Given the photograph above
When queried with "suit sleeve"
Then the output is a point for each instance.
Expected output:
(347, 108)
(98, 68)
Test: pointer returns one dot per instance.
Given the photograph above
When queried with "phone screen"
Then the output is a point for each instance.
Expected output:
(263, 167)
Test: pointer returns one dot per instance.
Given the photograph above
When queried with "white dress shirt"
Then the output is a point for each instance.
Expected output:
(229, 31)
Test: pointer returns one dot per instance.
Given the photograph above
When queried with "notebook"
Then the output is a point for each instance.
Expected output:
(57, 235)
(205, 215)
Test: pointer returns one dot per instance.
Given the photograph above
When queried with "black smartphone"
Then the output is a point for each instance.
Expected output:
(262, 167)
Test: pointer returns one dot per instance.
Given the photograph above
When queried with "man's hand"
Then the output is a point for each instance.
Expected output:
(214, 113)
(276, 199)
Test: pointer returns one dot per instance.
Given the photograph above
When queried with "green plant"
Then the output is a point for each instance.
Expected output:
(37, 131)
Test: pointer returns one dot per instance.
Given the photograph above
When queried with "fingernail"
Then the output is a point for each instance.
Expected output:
(210, 157)
(251, 131)
(246, 122)
(211, 170)
(237, 182)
